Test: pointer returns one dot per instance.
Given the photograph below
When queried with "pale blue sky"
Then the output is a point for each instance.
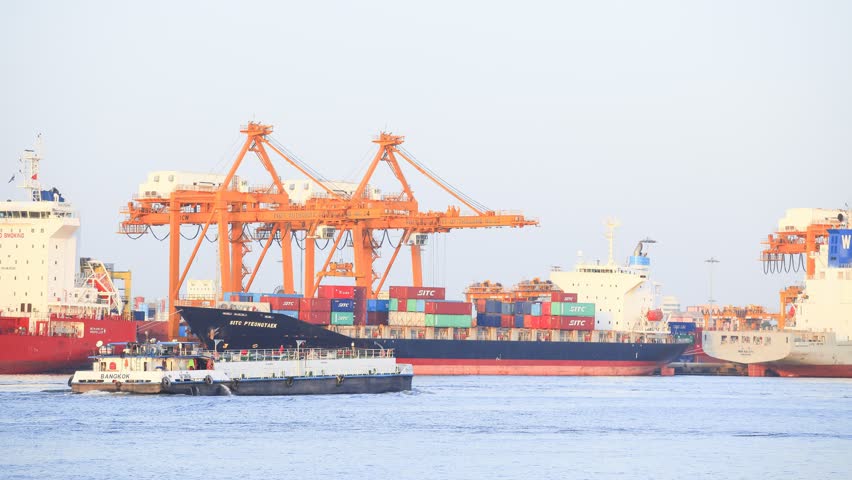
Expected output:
(694, 123)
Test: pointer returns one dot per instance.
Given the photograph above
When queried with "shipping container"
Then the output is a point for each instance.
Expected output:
(342, 318)
(289, 313)
(407, 319)
(315, 304)
(507, 308)
(139, 315)
(563, 297)
(535, 309)
(493, 306)
(378, 305)
(448, 308)
(578, 309)
(481, 305)
(342, 305)
(455, 321)
(335, 291)
(377, 318)
(681, 328)
(430, 293)
(419, 306)
(519, 320)
(488, 319)
(316, 318)
(507, 321)
(576, 323)
(393, 305)
(281, 303)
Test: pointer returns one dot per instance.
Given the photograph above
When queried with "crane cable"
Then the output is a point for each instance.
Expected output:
(445, 183)
(295, 159)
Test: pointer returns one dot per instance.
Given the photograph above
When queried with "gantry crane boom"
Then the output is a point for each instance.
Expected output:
(357, 215)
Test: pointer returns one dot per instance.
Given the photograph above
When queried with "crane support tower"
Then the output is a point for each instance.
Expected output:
(266, 214)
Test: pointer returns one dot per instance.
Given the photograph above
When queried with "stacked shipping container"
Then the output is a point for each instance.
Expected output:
(560, 313)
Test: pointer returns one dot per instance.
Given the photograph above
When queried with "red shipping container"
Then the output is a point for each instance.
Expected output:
(315, 304)
(545, 321)
(480, 305)
(528, 321)
(377, 318)
(402, 305)
(316, 318)
(420, 293)
(563, 297)
(335, 291)
(577, 323)
(545, 308)
(282, 303)
(507, 321)
(449, 308)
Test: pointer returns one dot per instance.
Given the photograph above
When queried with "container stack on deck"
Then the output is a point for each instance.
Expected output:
(558, 312)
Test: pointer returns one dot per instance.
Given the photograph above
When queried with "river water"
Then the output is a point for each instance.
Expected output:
(447, 427)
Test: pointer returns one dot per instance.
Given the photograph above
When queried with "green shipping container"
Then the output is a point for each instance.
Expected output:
(578, 309)
(443, 320)
(394, 305)
(556, 308)
(411, 305)
(342, 318)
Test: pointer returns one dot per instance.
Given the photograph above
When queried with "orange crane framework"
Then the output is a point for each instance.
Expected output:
(267, 214)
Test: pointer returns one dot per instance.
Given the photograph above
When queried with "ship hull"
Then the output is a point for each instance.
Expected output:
(786, 354)
(235, 329)
(32, 354)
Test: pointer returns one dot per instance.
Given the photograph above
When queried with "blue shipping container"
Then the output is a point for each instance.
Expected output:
(342, 305)
(535, 310)
(839, 248)
(138, 315)
(493, 306)
(421, 306)
(289, 313)
(681, 328)
(378, 305)
(508, 309)
(519, 321)
(182, 331)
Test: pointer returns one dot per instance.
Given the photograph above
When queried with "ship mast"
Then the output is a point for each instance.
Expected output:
(30, 159)
(611, 224)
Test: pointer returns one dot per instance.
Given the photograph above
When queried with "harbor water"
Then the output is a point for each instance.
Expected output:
(447, 427)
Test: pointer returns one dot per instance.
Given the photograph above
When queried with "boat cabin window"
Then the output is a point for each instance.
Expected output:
(767, 341)
(735, 339)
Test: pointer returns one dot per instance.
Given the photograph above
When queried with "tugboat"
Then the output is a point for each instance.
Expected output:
(184, 368)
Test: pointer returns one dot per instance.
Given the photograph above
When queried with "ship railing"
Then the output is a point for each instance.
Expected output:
(262, 355)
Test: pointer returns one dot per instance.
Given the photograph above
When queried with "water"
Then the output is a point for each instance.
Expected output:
(448, 427)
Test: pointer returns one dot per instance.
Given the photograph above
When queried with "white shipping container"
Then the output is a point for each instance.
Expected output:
(407, 319)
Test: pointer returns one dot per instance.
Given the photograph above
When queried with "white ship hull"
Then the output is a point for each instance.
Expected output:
(787, 354)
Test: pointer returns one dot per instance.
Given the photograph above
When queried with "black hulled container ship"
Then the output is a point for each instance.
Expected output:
(609, 327)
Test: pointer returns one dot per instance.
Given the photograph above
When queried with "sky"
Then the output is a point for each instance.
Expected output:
(696, 124)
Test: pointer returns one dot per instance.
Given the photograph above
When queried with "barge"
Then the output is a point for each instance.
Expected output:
(185, 368)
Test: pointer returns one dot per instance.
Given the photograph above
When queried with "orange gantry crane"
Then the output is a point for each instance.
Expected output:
(267, 214)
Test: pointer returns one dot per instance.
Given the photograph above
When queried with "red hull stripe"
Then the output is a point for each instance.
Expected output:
(833, 371)
(441, 366)
(23, 354)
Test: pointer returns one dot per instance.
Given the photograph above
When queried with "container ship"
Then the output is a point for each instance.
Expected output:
(609, 327)
(814, 338)
(51, 318)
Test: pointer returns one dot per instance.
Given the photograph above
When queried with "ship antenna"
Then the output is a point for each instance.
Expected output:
(611, 225)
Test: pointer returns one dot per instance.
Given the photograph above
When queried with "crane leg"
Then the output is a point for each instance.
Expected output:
(416, 267)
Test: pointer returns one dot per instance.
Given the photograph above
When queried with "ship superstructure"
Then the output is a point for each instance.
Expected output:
(624, 295)
(37, 245)
(50, 317)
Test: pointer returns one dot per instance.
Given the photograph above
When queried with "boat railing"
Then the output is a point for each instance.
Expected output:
(261, 355)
